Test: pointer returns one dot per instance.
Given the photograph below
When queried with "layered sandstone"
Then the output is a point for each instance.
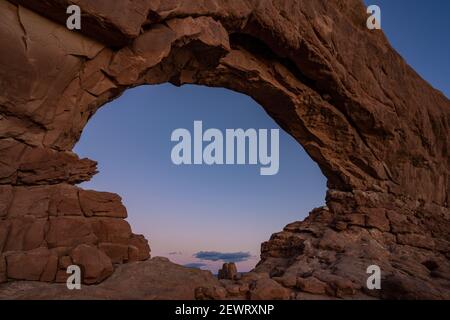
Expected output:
(379, 133)
(47, 228)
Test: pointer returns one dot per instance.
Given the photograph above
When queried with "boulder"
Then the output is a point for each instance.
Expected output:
(228, 271)
(96, 266)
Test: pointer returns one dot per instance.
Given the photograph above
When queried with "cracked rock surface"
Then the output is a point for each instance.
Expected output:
(379, 133)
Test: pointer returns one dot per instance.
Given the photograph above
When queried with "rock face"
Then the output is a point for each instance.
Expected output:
(48, 228)
(379, 133)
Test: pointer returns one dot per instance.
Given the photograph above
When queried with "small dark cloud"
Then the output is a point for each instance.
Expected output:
(223, 256)
(175, 253)
(196, 265)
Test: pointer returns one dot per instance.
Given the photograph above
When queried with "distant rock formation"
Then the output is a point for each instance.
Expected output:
(228, 271)
(379, 133)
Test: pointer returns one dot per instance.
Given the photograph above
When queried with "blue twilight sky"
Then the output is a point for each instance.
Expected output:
(205, 215)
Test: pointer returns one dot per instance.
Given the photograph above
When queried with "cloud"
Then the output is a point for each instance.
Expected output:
(175, 253)
(196, 265)
(223, 256)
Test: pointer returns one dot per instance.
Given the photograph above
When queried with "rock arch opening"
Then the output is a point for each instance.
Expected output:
(184, 210)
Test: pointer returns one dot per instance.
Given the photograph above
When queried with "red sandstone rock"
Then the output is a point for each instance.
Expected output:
(101, 204)
(133, 254)
(24, 233)
(62, 276)
(45, 201)
(118, 253)
(34, 201)
(266, 289)
(228, 271)
(65, 201)
(210, 293)
(416, 240)
(69, 232)
(312, 285)
(139, 242)
(3, 275)
(65, 262)
(42, 166)
(96, 266)
(376, 129)
(50, 269)
(4, 232)
(155, 278)
(6, 197)
(111, 230)
(376, 218)
(30, 265)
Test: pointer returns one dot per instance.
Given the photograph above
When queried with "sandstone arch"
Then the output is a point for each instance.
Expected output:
(379, 133)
